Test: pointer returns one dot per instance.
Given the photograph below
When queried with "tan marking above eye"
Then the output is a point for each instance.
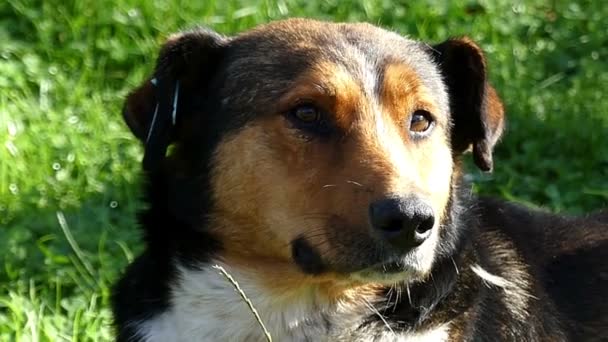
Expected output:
(329, 88)
(408, 101)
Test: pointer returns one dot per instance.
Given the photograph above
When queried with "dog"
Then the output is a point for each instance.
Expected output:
(320, 166)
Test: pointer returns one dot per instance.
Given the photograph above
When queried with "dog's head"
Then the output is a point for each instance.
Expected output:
(325, 151)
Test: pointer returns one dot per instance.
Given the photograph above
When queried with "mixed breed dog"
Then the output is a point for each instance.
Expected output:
(320, 165)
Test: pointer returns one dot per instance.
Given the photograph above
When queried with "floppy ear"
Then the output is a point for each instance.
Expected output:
(159, 107)
(477, 112)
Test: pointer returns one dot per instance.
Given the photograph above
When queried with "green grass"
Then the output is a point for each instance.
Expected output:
(69, 168)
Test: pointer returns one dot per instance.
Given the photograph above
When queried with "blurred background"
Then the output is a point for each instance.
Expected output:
(69, 168)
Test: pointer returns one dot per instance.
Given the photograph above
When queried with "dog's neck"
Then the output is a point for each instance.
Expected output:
(206, 306)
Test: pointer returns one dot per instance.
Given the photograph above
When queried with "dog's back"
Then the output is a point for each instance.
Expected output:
(568, 258)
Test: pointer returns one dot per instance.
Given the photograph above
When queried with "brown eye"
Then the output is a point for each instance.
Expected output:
(306, 114)
(309, 119)
(420, 122)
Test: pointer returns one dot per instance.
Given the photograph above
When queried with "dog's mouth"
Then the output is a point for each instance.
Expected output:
(388, 272)
(390, 267)
(362, 264)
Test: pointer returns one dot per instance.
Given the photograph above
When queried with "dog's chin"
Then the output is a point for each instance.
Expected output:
(364, 264)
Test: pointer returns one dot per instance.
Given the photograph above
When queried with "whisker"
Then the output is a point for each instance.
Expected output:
(375, 311)
(355, 183)
(455, 266)
(389, 296)
(398, 300)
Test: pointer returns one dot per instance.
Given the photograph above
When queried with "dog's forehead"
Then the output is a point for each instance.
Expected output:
(337, 40)
(270, 57)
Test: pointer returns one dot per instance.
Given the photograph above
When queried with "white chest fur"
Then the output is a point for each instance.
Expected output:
(206, 307)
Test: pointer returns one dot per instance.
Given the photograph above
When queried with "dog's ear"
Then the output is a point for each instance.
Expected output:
(156, 109)
(477, 112)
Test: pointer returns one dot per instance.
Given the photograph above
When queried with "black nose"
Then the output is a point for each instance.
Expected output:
(405, 222)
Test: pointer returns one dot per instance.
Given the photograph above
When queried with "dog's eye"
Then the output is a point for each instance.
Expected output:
(306, 114)
(310, 119)
(420, 122)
